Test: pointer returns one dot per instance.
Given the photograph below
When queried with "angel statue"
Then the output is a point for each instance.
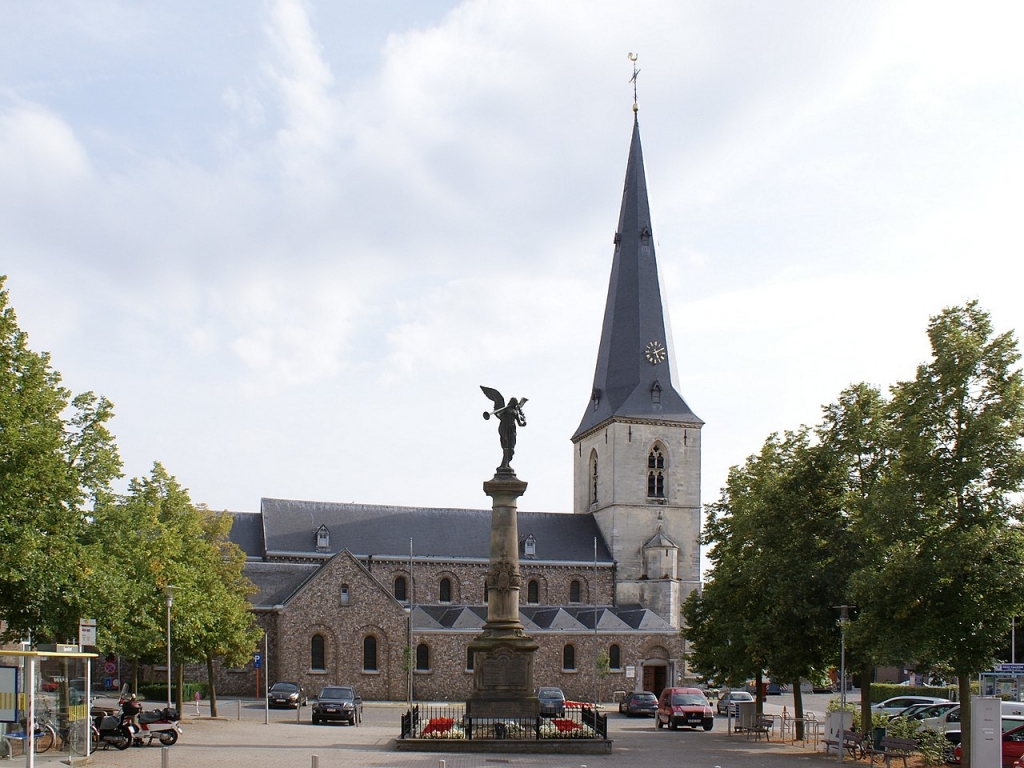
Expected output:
(508, 417)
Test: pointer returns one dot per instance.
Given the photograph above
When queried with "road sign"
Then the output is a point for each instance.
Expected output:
(87, 631)
(257, 660)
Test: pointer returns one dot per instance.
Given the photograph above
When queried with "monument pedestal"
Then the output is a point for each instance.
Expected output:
(503, 653)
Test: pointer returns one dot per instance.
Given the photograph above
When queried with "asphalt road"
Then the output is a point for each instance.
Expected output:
(241, 739)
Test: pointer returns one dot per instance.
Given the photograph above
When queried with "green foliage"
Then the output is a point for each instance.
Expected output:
(57, 458)
(907, 510)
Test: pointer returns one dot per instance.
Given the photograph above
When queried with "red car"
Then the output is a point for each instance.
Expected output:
(684, 706)
(1013, 749)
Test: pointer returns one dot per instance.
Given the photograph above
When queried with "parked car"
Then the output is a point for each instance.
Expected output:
(552, 701)
(947, 721)
(728, 701)
(1009, 723)
(922, 711)
(286, 695)
(1013, 747)
(898, 703)
(684, 706)
(338, 703)
(639, 703)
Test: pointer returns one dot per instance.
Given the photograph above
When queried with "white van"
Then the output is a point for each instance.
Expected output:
(950, 720)
(947, 721)
(1012, 708)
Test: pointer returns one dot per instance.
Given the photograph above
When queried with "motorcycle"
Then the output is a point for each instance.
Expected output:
(117, 730)
(161, 724)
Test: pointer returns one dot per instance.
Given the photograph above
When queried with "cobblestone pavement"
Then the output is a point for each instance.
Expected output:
(241, 739)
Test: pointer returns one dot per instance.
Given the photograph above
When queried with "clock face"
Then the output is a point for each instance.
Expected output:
(655, 353)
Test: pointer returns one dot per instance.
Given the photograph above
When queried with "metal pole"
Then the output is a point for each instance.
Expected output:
(165, 757)
(412, 650)
(168, 601)
(844, 618)
(30, 714)
(266, 681)
(597, 691)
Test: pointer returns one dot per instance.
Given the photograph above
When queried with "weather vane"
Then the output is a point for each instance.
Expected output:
(633, 57)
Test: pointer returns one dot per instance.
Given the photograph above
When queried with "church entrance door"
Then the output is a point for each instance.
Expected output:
(654, 679)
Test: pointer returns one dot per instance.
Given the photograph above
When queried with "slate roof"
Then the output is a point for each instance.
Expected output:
(276, 582)
(289, 527)
(634, 317)
(538, 618)
(247, 532)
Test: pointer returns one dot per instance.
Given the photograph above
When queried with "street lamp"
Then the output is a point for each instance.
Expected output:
(844, 619)
(168, 601)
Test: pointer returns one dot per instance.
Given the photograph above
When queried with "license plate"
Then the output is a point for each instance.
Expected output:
(330, 709)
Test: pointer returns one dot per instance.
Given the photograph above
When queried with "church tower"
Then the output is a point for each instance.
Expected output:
(636, 452)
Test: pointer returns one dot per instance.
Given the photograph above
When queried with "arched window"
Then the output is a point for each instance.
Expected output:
(574, 591)
(486, 591)
(422, 657)
(469, 659)
(656, 473)
(445, 591)
(532, 592)
(400, 588)
(369, 654)
(316, 653)
(568, 658)
(614, 657)
(593, 477)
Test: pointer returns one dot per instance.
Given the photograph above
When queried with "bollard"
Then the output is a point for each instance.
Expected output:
(165, 757)
(441, 764)
(239, 709)
(316, 761)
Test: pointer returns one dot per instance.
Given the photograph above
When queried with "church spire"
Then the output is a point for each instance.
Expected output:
(633, 377)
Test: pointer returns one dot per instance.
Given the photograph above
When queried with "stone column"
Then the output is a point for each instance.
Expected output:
(503, 653)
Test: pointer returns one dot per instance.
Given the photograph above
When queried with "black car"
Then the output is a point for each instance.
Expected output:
(286, 695)
(552, 702)
(639, 703)
(338, 702)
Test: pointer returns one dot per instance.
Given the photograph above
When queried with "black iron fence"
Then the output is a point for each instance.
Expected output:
(452, 722)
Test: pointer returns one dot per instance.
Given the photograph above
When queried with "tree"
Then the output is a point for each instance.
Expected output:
(57, 458)
(781, 555)
(952, 572)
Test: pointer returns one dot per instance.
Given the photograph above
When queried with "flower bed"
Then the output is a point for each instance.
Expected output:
(441, 728)
(558, 728)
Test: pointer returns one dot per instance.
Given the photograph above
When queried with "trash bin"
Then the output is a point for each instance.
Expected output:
(877, 734)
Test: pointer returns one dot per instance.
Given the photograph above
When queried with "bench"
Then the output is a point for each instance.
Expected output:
(851, 741)
(761, 724)
(890, 747)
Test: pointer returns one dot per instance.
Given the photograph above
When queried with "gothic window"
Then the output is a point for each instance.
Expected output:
(593, 477)
(422, 657)
(316, 653)
(400, 588)
(343, 594)
(614, 657)
(445, 592)
(369, 654)
(568, 658)
(532, 592)
(656, 473)
(574, 591)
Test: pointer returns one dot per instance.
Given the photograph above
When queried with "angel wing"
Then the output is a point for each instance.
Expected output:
(494, 396)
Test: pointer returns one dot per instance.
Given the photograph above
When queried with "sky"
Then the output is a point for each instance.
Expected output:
(290, 240)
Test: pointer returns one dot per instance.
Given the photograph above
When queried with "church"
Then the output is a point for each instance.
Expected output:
(364, 595)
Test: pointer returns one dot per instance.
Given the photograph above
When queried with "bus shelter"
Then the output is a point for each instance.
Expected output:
(43, 687)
